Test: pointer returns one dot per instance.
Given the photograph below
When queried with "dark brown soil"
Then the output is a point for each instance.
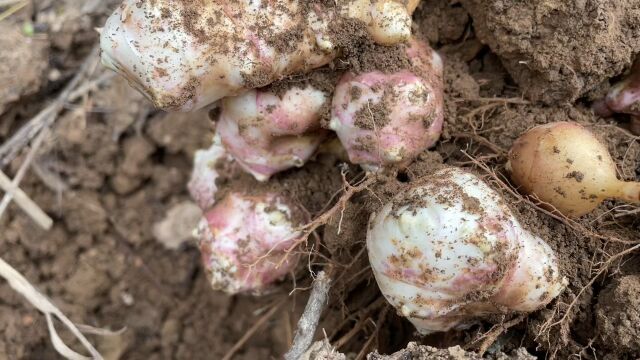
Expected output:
(114, 167)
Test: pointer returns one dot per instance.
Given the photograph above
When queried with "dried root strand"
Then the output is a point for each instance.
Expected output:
(309, 321)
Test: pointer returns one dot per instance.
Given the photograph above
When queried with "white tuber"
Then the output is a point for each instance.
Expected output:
(207, 164)
(390, 118)
(448, 252)
(184, 55)
(563, 164)
(247, 241)
(267, 133)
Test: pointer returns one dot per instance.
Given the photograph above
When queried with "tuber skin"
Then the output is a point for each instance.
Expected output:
(564, 165)
(448, 251)
(185, 55)
(623, 97)
(245, 241)
(266, 133)
(384, 119)
(206, 170)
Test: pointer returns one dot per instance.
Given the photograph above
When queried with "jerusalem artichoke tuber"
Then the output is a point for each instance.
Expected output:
(449, 251)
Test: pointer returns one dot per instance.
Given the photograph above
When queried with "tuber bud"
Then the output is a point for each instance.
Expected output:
(564, 165)
(623, 97)
(184, 55)
(448, 252)
(206, 170)
(384, 119)
(246, 241)
(266, 133)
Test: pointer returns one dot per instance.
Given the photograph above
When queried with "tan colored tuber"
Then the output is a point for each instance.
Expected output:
(564, 165)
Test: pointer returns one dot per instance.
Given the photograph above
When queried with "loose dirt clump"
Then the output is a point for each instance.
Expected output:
(417, 352)
(557, 50)
(23, 67)
(618, 315)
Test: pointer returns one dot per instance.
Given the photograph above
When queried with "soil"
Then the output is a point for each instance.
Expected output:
(558, 50)
(114, 167)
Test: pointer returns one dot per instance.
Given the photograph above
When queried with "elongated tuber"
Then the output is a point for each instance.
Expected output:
(247, 241)
(390, 118)
(564, 165)
(267, 133)
(184, 55)
(449, 251)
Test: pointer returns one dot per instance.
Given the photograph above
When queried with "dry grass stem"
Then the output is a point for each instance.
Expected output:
(238, 345)
(36, 213)
(31, 208)
(43, 304)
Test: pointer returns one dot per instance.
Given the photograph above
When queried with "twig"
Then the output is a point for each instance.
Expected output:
(48, 115)
(383, 317)
(627, 213)
(4, 3)
(252, 330)
(15, 184)
(309, 320)
(13, 9)
(30, 207)
(492, 335)
(350, 191)
(23, 287)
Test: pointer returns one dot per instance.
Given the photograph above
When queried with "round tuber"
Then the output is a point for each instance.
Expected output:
(390, 118)
(448, 251)
(267, 133)
(247, 242)
(565, 166)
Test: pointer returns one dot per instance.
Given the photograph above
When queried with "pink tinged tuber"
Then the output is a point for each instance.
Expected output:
(448, 252)
(266, 133)
(622, 96)
(383, 119)
(185, 55)
(564, 165)
(247, 242)
(207, 165)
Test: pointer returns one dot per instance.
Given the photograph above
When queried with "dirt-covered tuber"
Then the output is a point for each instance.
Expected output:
(184, 55)
(448, 251)
(207, 164)
(267, 133)
(248, 241)
(564, 165)
(390, 118)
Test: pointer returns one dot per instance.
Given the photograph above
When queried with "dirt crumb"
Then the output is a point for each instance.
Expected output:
(22, 69)
(421, 352)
